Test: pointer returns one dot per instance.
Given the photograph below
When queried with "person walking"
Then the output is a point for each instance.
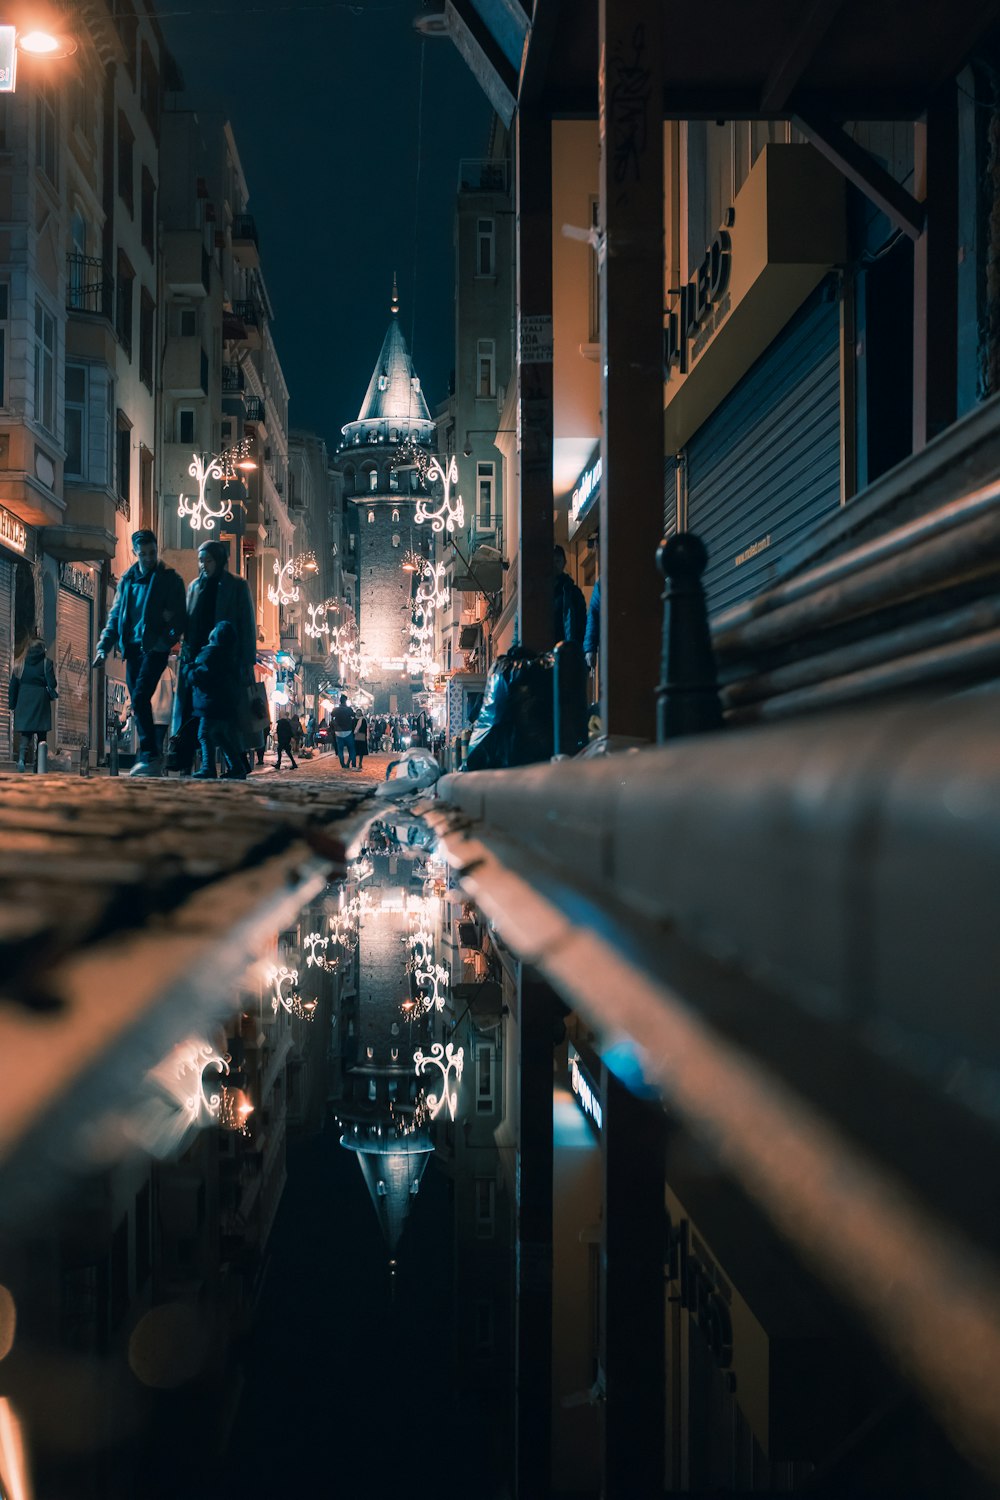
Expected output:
(361, 741)
(31, 693)
(147, 619)
(163, 703)
(215, 696)
(214, 596)
(283, 739)
(344, 720)
(569, 608)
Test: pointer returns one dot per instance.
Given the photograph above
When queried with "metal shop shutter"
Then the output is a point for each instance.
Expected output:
(766, 465)
(73, 633)
(6, 651)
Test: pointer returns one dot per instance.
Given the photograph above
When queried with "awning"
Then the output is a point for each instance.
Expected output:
(746, 59)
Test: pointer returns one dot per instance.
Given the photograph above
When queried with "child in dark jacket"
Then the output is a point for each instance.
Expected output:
(215, 697)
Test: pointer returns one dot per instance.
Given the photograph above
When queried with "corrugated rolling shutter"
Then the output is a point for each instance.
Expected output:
(766, 464)
(73, 628)
(6, 650)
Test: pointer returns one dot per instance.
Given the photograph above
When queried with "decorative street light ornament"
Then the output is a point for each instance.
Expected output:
(432, 980)
(432, 590)
(181, 1076)
(318, 623)
(450, 513)
(293, 1002)
(450, 1061)
(314, 940)
(225, 466)
(286, 590)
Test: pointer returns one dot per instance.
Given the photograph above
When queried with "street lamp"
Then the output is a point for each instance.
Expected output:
(47, 45)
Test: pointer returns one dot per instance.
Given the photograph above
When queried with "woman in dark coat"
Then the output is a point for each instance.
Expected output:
(283, 740)
(32, 689)
(361, 740)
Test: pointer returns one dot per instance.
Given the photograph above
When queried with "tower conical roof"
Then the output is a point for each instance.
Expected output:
(392, 1170)
(394, 394)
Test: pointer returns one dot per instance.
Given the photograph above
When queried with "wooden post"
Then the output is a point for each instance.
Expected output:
(630, 87)
(633, 1354)
(935, 270)
(533, 1328)
(534, 366)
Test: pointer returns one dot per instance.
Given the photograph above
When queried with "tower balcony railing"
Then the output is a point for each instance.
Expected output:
(477, 175)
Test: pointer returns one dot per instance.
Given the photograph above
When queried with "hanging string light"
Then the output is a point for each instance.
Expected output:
(225, 466)
(449, 515)
(286, 590)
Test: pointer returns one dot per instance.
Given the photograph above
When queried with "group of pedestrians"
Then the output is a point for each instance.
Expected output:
(213, 629)
(350, 731)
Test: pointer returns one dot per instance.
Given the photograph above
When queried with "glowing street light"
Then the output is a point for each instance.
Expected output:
(47, 45)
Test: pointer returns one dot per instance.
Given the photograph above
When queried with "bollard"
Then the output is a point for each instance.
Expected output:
(569, 699)
(42, 758)
(687, 699)
(112, 750)
(85, 759)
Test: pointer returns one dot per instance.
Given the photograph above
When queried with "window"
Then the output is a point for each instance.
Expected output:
(486, 360)
(108, 434)
(123, 303)
(145, 487)
(371, 519)
(485, 1079)
(485, 512)
(4, 316)
(124, 464)
(185, 426)
(126, 162)
(395, 515)
(383, 382)
(76, 421)
(45, 367)
(373, 479)
(486, 1198)
(147, 317)
(148, 213)
(394, 479)
(46, 130)
(187, 323)
(149, 90)
(127, 27)
(485, 247)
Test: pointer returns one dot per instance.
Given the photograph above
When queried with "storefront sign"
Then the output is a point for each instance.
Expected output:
(536, 341)
(700, 304)
(13, 532)
(80, 580)
(585, 1089)
(8, 59)
(588, 487)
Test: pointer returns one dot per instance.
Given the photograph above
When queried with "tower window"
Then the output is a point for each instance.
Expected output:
(371, 518)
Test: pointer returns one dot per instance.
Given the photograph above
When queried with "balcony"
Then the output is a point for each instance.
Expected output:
(243, 323)
(253, 408)
(187, 263)
(233, 380)
(185, 367)
(90, 286)
(245, 246)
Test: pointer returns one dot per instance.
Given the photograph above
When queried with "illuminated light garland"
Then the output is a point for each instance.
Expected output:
(432, 590)
(181, 1075)
(224, 466)
(434, 976)
(315, 940)
(318, 623)
(293, 1002)
(450, 1062)
(286, 591)
(450, 513)
(235, 1111)
(410, 455)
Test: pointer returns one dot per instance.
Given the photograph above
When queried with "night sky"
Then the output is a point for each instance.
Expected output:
(323, 100)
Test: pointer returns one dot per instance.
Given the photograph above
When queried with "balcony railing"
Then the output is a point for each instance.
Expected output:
(90, 285)
(245, 228)
(233, 380)
(248, 312)
(253, 409)
(479, 176)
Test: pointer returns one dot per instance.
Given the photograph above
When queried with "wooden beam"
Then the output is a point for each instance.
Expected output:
(798, 52)
(534, 374)
(901, 208)
(630, 80)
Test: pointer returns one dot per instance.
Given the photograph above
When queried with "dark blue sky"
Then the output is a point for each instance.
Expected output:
(323, 100)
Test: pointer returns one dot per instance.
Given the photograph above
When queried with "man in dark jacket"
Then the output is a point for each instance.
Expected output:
(147, 618)
(344, 720)
(569, 608)
(214, 596)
